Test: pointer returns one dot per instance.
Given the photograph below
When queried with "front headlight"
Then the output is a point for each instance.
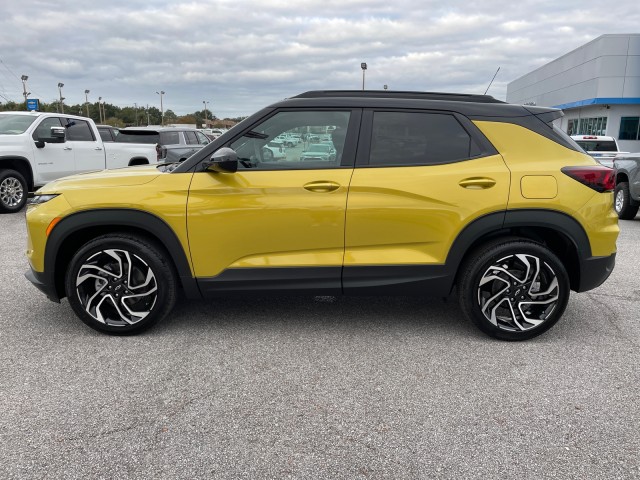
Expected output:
(38, 199)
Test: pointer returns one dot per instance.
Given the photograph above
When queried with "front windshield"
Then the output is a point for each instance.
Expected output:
(15, 124)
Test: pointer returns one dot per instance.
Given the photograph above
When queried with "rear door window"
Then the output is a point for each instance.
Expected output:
(79, 130)
(417, 138)
(191, 138)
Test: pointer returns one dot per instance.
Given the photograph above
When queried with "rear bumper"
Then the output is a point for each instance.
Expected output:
(594, 271)
(38, 280)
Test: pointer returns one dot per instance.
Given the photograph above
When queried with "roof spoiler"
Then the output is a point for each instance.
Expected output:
(547, 115)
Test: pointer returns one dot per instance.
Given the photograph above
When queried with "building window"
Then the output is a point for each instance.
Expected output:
(588, 126)
(629, 128)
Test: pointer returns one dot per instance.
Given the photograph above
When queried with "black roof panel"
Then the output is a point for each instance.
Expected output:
(452, 97)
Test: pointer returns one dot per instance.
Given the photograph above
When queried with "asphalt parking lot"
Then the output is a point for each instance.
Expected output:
(319, 388)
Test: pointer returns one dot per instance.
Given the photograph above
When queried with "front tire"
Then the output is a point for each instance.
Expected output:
(514, 289)
(13, 191)
(623, 205)
(120, 284)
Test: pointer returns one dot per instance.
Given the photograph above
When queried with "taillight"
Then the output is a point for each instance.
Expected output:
(158, 151)
(600, 178)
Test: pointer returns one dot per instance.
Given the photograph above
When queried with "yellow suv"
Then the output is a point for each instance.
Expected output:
(421, 193)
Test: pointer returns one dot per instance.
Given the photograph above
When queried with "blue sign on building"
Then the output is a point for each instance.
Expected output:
(33, 104)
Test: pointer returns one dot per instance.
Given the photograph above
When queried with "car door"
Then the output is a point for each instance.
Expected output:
(273, 224)
(89, 154)
(420, 178)
(52, 160)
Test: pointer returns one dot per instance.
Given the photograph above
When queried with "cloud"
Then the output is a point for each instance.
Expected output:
(243, 55)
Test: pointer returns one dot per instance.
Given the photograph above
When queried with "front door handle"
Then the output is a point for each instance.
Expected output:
(98, 148)
(322, 186)
(67, 148)
(477, 183)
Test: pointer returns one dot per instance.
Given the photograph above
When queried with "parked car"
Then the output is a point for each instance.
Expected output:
(473, 196)
(627, 193)
(173, 143)
(603, 148)
(319, 152)
(288, 139)
(37, 147)
(274, 151)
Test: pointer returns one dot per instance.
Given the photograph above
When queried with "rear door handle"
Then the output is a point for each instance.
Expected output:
(98, 148)
(322, 186)
(477, 183)
(67, 148)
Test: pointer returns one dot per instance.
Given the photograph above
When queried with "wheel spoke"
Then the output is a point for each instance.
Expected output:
(11, 192)
(116, 288)
(518, 292)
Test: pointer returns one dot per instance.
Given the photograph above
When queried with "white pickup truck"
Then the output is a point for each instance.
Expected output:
(36, 148)
(602, 148)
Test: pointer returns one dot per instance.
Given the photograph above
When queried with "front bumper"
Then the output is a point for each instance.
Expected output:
(594, 271)
(38, 280)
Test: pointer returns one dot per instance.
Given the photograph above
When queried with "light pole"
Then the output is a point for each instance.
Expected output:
(161, 93)
(363, 66)
(60, 85)
(104, 113)
(100, 109)
(136, 106)
(86, 100)
(205, 113)
(26, 94)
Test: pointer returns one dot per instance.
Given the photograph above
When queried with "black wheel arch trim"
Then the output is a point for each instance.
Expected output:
(494, 223)
(23, 160)
(555, 220)
(114, 218)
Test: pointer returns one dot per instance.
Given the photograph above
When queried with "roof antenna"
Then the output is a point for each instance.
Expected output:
(494, 77)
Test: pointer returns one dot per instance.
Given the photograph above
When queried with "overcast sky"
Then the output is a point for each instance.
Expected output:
(242, 55)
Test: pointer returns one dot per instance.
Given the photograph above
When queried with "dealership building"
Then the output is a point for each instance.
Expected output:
(597, 85)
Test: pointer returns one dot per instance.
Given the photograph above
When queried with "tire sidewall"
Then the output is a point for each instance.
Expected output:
(25, 193)
(476, 269)
(149, 253)
(628, 210)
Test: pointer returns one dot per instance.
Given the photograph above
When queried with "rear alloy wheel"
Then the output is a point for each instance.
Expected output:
(13, 191)
(514, 290)
(120, 284)
(623, 204)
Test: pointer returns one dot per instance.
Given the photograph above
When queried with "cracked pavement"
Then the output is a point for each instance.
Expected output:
(319, 387)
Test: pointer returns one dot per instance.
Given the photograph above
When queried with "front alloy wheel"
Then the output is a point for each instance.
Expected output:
(120, 284)
(116, 287)
(514, 290)
(13, 191)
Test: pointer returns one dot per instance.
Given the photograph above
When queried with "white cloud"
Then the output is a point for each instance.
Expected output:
(242, 55)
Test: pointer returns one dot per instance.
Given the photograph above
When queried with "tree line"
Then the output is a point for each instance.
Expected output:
(122, 116)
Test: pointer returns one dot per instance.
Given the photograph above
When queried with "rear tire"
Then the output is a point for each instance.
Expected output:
(121, 284)
(622, 202)
(513, 289)
(13, 191)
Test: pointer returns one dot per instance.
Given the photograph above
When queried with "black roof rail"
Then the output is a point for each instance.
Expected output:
(452, 97)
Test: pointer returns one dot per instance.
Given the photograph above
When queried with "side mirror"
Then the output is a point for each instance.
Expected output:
(57, 135)
(224, 160)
